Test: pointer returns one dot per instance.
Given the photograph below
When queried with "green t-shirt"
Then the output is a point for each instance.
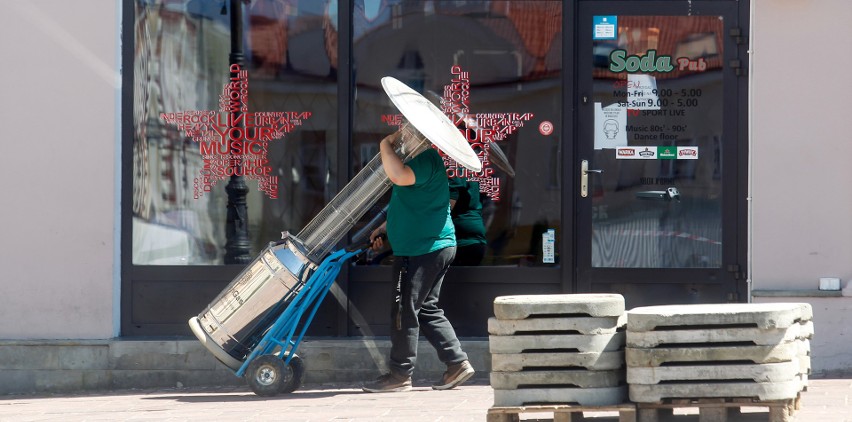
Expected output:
(419, 215)
(467, 213)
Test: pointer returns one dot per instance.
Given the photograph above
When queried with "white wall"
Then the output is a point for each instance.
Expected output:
(801, 153)
(59, 117)
(830, 344)
(801, 150)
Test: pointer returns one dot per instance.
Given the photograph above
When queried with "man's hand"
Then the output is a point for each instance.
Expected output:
(377, 238)
(391, 139)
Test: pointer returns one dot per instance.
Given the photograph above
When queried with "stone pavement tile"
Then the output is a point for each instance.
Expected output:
(827, 400)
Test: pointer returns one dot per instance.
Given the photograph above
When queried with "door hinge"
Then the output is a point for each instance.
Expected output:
(737, 65)
(737, 35)
(735, 270)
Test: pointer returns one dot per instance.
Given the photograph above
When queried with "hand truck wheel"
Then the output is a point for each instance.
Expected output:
(295, 375)
(267, 375)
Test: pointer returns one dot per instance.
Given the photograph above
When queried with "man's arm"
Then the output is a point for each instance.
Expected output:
(398, 173)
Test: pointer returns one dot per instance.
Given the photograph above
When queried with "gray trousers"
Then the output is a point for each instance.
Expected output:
(416, 289)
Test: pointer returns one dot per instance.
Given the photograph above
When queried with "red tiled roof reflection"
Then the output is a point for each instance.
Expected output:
(268, 37)
(538, 24)
(637, 34)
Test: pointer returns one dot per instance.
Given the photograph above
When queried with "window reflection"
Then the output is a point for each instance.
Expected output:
(698, 45)
(181, 64)
(510, 55)
(636, 224)
(510, 49)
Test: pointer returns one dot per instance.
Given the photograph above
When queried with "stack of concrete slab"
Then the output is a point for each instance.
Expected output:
(562, 349)
(758, 351)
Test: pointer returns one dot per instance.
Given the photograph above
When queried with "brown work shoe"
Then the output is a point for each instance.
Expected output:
(388, 383)
(456, 374)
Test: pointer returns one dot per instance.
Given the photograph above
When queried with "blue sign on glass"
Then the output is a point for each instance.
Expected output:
(605, 27)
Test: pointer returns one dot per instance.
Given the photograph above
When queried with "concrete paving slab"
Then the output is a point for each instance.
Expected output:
(556, 343)
(762, 372)
(582, 396)
(758, 354)
(761, 315)
(640, 393)
(578, 378)
(580, 325)
(526, 306)
(758, 336)
(597, 361)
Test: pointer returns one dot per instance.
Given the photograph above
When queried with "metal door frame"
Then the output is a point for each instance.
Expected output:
(734, 202)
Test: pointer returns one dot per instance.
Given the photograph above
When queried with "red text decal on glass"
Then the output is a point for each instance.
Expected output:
(481, 130)
(232, 141)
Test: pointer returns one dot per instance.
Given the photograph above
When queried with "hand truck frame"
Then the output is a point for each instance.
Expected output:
(273, 366)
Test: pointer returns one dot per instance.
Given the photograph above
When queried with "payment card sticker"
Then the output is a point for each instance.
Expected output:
(687, 153)
(548, 246)
(605, 27)
(636, 153)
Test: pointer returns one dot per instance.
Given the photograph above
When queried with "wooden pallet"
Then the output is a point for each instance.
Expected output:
(561, 412)
(718, 409)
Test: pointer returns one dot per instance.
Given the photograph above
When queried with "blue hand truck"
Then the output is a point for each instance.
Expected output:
(273, 367)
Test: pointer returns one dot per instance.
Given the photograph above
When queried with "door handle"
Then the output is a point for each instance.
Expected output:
(665, 195)
(584, 177)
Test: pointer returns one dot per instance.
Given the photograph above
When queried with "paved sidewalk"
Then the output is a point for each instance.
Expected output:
(827, 400)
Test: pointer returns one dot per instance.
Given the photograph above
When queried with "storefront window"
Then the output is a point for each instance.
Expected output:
(187, 143)
(493, 67)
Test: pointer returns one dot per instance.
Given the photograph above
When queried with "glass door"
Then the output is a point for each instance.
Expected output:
(658, 146)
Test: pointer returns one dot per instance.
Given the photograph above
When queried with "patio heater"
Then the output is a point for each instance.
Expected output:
(237, 318)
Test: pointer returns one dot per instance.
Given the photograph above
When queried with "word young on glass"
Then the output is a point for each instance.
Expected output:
(232, 141)
(480, 130)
